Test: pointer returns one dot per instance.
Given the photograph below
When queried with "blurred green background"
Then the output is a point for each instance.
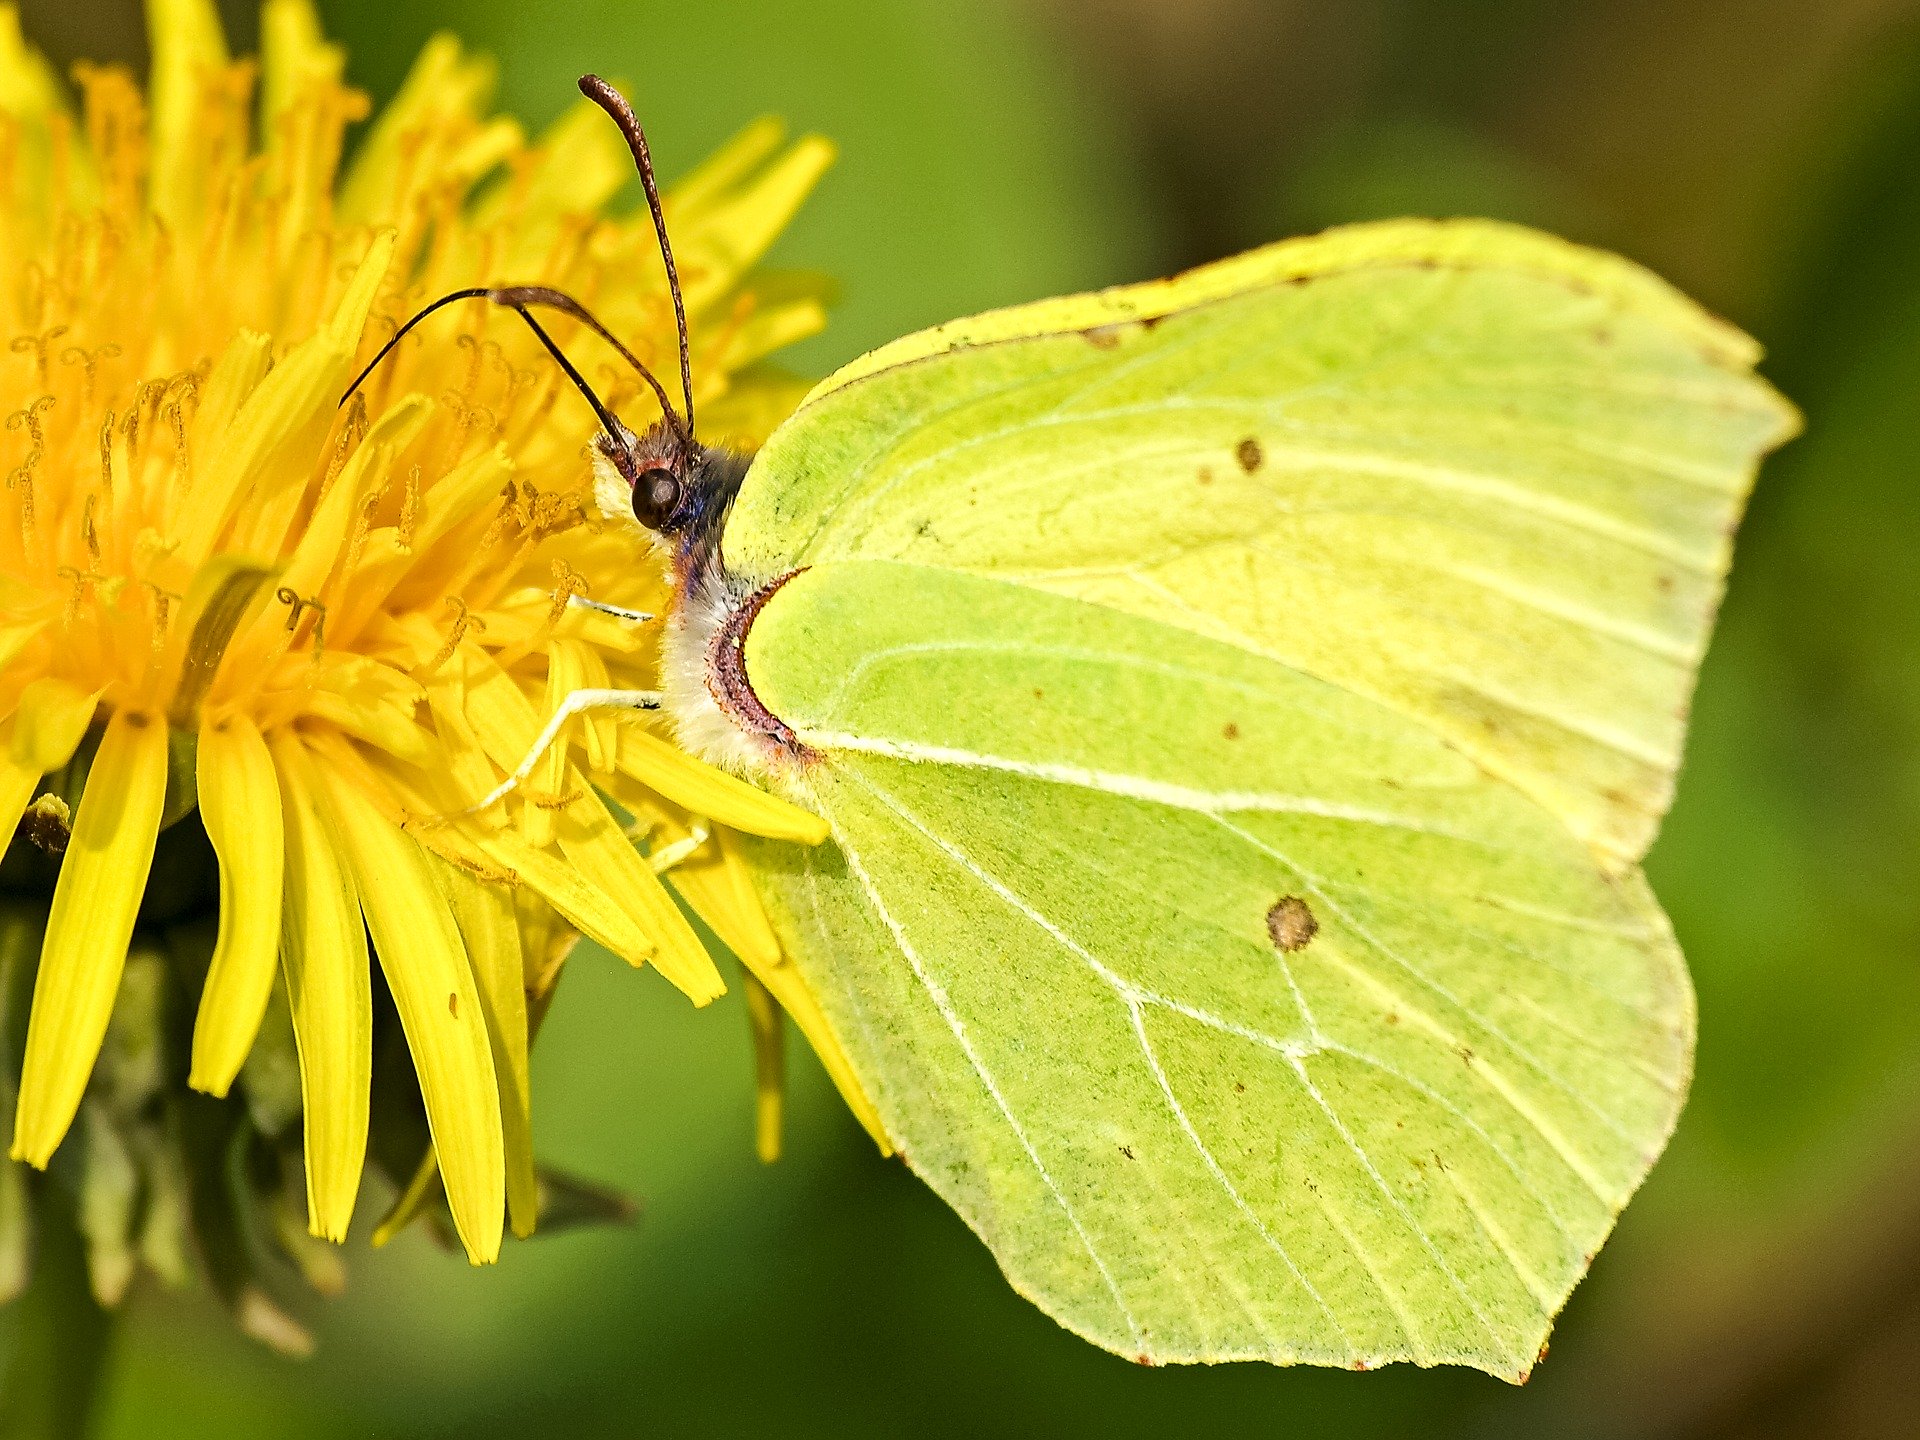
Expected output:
(1763, 154)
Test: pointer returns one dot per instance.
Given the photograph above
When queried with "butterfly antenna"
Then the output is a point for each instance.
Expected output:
(607, 421)
(401, 334)
(611, 101)
(517, 298)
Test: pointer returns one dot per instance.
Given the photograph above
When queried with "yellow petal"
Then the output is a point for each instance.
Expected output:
(794, 997)
(240, 807)
(443, 84)
(31, 96)
(769, 1068)
(593, 843)
(52, 718)
(293, 53)
(15, 636)
(751, 148)
(326, 536)
(222, 592)
(424, 959)
(88, 927)
(420, 1192)
(323, 950)
(693, 785)
(456, 495)
(17, 783)
(724, 896)
(187, 43)
(772, 326)
(595, 846)
(462, 762)
(587, 907)
(371, 701)
(29, 89)
(283, 422)
(238, 372)
(580, 164)
(738, 229)
(565, 674)
(488, 925)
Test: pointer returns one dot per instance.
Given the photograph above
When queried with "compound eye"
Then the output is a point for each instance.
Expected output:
(656, 494)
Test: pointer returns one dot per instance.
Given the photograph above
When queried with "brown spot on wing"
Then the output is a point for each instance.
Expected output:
(1230, 730)
(1291, 925)
(1249, 454)
(1102, 337)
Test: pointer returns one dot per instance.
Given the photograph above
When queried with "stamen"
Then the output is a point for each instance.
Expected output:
(409, 511)
(568, 583)
(352, 431)
(130, 427)
(106, 455)
(286, 595)
(362, 524)
(89, 360)
(518, 381)
(36, 292)
(36, 433)
(182, 470)
(471, 344)
(463, 619)
(163, 602)
(89, 533)
(38, 344)
(22, 477)
(113, 112)
(83, 581)
(150, 393)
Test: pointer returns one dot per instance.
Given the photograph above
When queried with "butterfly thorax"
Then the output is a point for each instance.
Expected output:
(679, 493)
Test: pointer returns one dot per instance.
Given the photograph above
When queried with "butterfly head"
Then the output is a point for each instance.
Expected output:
(670, 484)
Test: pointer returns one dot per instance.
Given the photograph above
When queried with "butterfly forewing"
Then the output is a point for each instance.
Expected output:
(1496, 491)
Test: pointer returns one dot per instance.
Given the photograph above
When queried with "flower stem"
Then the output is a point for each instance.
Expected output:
(61, 1334)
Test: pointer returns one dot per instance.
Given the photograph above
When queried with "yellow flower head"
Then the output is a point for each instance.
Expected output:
(323, 627)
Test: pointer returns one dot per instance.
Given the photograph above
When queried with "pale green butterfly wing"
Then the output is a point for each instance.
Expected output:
(1043, 937)
(1494, 482)
(1370, 570)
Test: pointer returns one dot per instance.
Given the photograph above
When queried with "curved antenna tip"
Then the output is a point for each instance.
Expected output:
(621, 113)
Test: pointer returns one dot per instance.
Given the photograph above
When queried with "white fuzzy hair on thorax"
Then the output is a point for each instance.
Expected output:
(694, 631)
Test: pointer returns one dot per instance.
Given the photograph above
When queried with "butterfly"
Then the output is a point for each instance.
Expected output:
(1239, 704)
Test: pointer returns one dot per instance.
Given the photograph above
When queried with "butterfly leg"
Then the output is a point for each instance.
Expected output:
(681, 850)
(576, 703)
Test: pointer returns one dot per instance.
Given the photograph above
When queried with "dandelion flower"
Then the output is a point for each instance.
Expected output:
(225, 600)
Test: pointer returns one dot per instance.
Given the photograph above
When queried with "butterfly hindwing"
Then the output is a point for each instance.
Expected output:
(1046, 930)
